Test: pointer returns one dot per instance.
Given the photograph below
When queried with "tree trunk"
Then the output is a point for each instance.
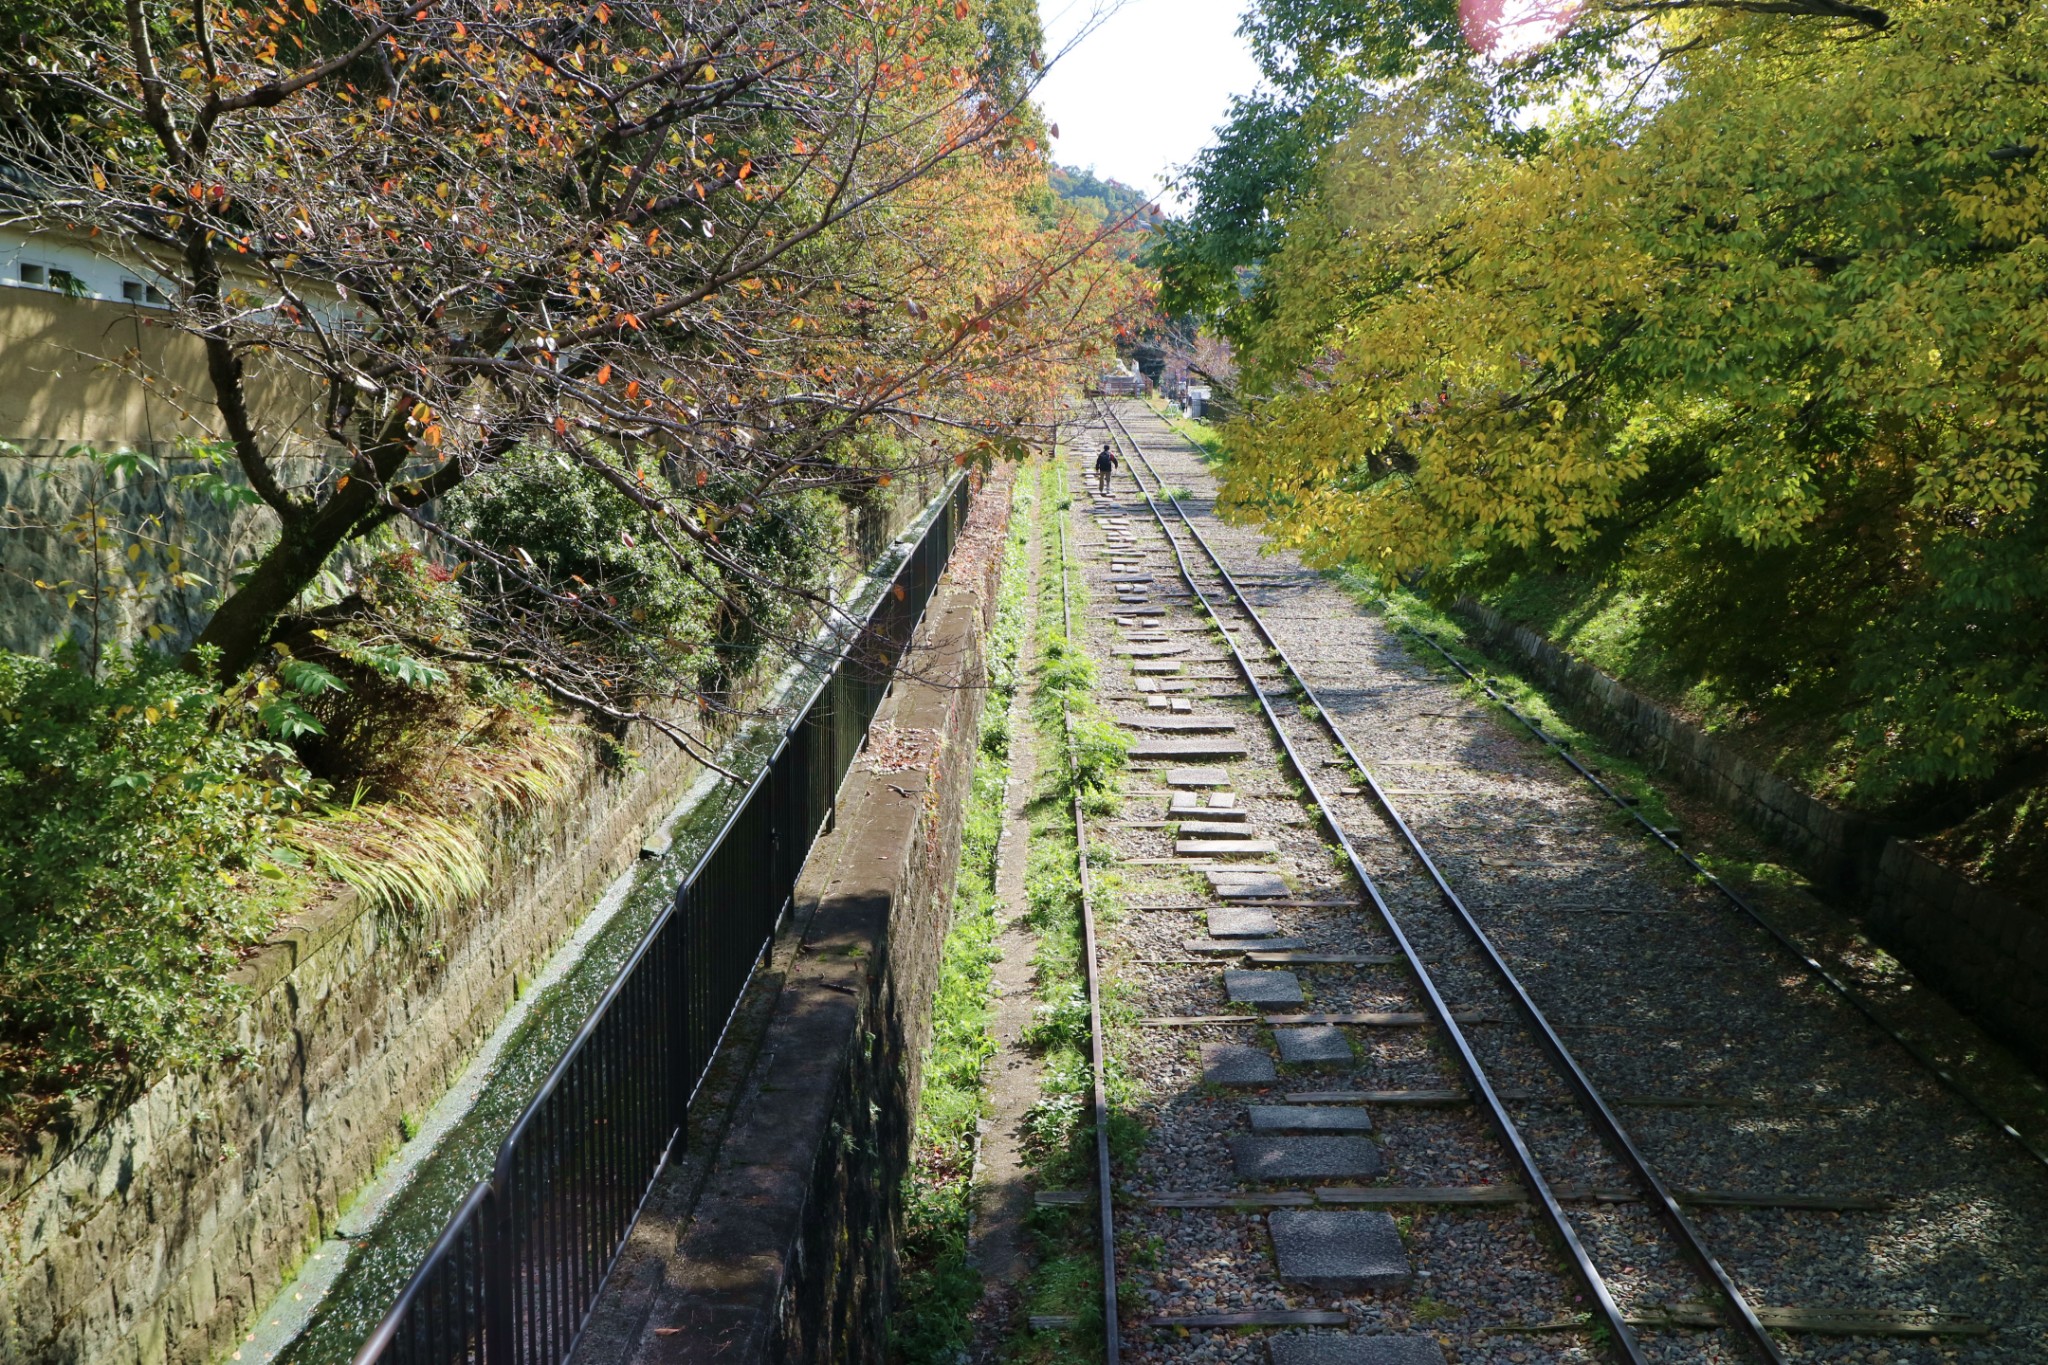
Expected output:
(304, 545)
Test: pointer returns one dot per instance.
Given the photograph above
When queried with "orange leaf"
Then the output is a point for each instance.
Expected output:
(702, 478)
(341, 483)
(604, 373)
(561, 427)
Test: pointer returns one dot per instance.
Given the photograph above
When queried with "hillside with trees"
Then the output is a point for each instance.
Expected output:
(1704, 338)
(1094, 198)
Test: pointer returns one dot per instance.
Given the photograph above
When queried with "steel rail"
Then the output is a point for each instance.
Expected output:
(1468, 1060)
(1605, 1120)
(1814, 966)
(1112, 1344)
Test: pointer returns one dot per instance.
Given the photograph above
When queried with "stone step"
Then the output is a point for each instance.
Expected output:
(1379, 1348)
(1231, 884)
(1315, 1045)
(1212, 848)
(1309, 1118)
(1338, 1249)
(1197, 777)
(1193, 810)
(1230, 921)
(1180, 725)
(1158, 750)
(1231, 947)
(1238, 1064)
(1268, 1156)
(1215, 829)
(1263, 988)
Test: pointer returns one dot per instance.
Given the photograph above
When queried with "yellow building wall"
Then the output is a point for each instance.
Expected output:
(112, 376)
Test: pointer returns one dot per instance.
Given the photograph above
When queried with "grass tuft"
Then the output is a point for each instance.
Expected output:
(396, 858)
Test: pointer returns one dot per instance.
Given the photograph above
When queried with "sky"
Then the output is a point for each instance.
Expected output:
(1141, 93)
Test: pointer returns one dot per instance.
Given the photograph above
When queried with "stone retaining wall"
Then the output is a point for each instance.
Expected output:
(153, 1238)
(1985, 952)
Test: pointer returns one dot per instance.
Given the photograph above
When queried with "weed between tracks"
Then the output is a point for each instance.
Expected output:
(940, 1286)
(1204, 437)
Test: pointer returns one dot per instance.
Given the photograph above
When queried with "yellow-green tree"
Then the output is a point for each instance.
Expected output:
(1771, 340)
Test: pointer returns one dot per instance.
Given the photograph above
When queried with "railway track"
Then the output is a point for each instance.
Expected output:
(1468, 1087)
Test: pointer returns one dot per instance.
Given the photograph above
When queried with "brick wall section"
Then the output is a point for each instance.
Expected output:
(1985, 953)
(158, 1235)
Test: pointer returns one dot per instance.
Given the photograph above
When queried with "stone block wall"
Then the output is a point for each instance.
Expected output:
(1986, 953)
(153, 1236)
(153, 1232)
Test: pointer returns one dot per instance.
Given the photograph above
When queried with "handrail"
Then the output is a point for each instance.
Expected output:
(512, 1278)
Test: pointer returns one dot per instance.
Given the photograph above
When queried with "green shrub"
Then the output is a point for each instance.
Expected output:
(133, 812)
(662, 613)
(583, 538)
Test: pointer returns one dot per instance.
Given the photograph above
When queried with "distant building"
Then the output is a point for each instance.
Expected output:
(91, 365)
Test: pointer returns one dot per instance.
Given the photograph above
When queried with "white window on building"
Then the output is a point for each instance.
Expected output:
(44, 276)
(135, 291)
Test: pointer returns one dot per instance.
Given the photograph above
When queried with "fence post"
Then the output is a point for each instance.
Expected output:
(494, 1231)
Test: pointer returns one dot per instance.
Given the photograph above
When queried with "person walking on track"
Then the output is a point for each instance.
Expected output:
(1105, 465)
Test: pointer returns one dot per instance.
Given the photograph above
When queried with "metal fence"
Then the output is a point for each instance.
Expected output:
(513, 1278)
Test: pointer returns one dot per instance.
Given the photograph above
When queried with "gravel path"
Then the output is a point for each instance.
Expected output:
(1730, 1069)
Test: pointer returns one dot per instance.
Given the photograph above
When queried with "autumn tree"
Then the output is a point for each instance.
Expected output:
(716, 257)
